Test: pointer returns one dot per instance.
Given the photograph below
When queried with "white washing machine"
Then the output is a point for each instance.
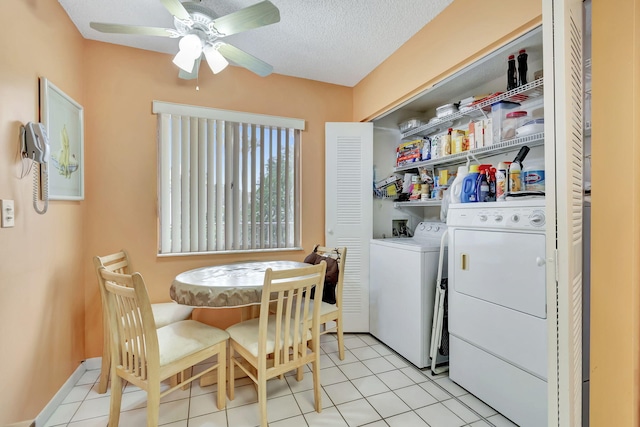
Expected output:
(497, 306)
(402, 290)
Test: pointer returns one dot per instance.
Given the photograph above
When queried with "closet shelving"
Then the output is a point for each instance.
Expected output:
(478, 153)
(531, 90)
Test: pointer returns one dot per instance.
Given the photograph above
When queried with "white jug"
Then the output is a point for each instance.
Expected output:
(456, 186)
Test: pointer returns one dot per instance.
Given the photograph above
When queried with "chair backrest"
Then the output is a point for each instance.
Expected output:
(291, 326)
(134, 341)
(340, 255)
(117, 262)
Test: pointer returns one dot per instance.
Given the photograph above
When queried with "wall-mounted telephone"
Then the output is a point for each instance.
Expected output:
(35, 146)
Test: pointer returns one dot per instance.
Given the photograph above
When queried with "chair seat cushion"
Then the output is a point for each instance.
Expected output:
(179, 339)
(246, 334)
(325, 308)
(170, 312)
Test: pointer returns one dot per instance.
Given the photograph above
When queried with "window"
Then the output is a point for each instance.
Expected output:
(228, 181)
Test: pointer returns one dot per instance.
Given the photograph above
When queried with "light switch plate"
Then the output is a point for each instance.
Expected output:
(8, 213)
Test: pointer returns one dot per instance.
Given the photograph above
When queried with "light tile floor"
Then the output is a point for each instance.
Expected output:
(372, 387)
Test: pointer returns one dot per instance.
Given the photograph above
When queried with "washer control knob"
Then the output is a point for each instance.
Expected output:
(422, 227)
(498, 218)
(436, 228)
(429, 228)
(537, 219)
(483, 218)
(515, 217)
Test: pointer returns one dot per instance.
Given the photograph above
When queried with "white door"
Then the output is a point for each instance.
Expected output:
(563, 104)
(348, 212)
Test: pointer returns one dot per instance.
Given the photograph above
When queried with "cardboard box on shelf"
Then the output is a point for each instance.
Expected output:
(479, 134)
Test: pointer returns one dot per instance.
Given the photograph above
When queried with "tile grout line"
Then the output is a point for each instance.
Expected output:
(349, 380)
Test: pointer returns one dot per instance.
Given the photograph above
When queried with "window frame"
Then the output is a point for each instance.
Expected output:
(164, 112)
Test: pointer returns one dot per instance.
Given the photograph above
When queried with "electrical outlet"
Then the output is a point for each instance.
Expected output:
(8, 213)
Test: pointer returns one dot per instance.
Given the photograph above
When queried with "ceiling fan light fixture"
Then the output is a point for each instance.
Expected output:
(190, 49)
(191, 45)
(184, 61)
(216, 61)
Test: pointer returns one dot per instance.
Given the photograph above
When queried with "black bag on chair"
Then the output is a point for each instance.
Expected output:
(330, 278)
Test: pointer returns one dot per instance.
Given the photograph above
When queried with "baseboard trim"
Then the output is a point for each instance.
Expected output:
(59, 397)
(93, 363)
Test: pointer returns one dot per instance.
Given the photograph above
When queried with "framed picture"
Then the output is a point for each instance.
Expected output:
(63, 118)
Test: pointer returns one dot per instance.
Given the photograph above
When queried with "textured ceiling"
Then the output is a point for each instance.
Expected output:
(333, 41)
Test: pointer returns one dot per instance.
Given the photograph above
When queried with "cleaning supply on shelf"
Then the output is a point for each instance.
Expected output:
(515, 171)
(515, 183)
(469, 192)
(533, 174)
(491, 179)
(455, 190)
(502, 180)
(482, 184)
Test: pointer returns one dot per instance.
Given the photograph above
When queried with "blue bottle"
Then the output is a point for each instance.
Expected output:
(470, 186)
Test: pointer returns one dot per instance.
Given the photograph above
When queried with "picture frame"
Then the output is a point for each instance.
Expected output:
(63, 119)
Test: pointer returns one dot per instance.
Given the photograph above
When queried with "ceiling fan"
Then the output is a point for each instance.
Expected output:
(200, 32)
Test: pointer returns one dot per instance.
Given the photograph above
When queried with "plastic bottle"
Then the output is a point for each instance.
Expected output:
(455, 190)
(502, 179)
(491, 179)
(515, 179)
(522, 67)
(470, 185)
(512, 78)
(482, 184)
(533, 175)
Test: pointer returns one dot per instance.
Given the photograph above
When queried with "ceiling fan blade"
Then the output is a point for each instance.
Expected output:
(176, 9)
(258, 15)
(245, 60)
(193, 74)
(132, 29)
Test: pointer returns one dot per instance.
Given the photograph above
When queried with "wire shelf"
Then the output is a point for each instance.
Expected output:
(490, 150)
(533, 89)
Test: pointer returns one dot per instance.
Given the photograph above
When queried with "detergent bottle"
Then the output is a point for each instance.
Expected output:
(456, 186)
(470, 185)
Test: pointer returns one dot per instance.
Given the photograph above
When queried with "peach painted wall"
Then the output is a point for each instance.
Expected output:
(462, 33)
(121, 185)
(615, 241)
(41, 280)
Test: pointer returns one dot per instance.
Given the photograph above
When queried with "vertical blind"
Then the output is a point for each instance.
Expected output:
(228, 181)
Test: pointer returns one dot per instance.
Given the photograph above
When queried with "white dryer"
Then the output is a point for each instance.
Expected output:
(402, 290)
(497, 306)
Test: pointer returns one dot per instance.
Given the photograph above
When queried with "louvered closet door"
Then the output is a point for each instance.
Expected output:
(348, 212)
(563, 90)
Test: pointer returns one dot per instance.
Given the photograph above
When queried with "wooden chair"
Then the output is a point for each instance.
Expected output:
(331, 312)
(144, 355)
(287, 340)
(163, 313)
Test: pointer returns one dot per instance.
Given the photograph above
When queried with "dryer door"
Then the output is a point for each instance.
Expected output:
(504, 268)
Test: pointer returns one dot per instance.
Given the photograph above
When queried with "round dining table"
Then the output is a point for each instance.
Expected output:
(225, 286)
